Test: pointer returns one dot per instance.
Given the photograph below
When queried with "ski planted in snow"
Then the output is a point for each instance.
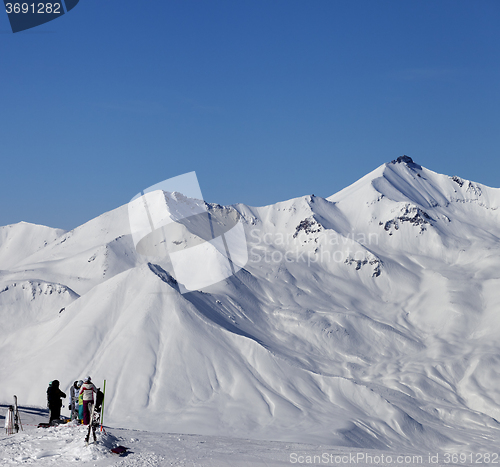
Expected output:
(17, 418)
(13, 419)
(9, 420)
(95, 418)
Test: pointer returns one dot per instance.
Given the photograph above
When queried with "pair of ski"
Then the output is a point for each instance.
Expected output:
(97, 418)
(97, 414)
(13, 419)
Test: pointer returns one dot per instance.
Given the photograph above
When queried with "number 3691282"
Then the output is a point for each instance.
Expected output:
(33, 8)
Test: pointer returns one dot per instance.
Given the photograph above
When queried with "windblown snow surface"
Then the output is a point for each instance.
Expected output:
(65, 446)
(367, 320)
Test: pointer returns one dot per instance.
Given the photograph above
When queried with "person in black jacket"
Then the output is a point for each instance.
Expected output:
(54, 401)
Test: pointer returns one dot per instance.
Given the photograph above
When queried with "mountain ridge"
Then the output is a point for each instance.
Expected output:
(373, 308)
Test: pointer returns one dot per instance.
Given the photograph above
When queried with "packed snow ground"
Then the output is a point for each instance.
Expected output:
(65, 446)
(367, 320)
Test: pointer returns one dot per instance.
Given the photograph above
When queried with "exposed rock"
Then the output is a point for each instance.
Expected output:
(309, 226)
(412, 214)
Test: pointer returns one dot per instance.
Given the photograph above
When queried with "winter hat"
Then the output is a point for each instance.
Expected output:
(79, 384)
(55, 383)
(87, 379)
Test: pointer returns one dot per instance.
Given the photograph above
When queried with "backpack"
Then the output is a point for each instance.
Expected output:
(99, 398)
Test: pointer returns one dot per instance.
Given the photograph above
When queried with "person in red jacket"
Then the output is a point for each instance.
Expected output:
(87, 390)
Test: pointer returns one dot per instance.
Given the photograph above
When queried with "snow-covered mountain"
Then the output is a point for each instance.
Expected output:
(368, 319)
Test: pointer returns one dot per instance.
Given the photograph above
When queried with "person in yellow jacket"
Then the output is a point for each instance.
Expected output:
(80, 405)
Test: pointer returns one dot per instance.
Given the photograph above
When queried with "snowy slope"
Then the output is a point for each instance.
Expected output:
(367, 319)
(22, 240)
(64, 445)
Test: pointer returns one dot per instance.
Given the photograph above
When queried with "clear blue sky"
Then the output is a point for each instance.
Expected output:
(265, 100)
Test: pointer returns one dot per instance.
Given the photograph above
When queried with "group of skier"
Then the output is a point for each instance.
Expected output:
(80, 404)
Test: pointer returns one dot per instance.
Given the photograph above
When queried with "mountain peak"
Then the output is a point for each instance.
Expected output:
(406, 160)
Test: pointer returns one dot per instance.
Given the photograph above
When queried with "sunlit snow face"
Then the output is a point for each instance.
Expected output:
(170, 219)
